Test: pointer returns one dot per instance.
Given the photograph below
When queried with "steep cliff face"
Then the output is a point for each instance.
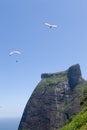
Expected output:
(55, 99)
(79, 121)
(74, 75)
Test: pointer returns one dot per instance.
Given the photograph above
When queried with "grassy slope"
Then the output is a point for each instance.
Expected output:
(57, 77)
(79, 122)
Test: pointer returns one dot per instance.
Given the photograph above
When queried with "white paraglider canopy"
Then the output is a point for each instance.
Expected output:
(14, 52)
(51, 25)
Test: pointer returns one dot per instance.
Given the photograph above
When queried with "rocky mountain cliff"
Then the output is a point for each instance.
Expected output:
(55, 99)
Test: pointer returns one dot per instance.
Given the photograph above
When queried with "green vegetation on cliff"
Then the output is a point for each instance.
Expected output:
(53, 78)
(55, 101)
(79, 121)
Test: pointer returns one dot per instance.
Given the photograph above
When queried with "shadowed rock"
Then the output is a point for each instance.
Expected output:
(74, 75)
(53, 102)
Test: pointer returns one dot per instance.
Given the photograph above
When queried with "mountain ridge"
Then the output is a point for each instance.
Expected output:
(54, 101)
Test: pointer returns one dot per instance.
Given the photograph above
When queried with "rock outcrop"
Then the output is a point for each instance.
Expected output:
(55, 99)
(74, 75)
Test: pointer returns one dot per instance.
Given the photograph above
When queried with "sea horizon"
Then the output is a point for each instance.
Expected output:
(9, 123)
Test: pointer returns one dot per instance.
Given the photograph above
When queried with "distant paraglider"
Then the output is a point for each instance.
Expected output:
(15, 53)
(51, 25)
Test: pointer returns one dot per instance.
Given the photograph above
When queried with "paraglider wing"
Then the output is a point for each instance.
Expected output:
(51, 25)
(47, 24)
(54, 26)
(14, 52)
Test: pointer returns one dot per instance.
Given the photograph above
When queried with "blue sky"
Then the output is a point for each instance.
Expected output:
(43, 49)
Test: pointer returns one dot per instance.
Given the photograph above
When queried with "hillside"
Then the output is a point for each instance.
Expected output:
(79, 121)
(56, 99)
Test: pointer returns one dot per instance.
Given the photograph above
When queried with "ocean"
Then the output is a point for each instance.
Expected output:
(9, 123)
